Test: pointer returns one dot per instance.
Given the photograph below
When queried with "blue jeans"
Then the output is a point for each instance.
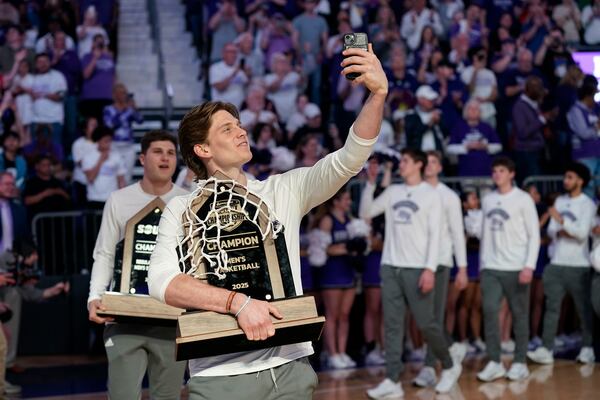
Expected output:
(593, 164)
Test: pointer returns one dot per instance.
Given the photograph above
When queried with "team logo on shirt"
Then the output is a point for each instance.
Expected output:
(404, 211)
(497, 218)
(568, 215)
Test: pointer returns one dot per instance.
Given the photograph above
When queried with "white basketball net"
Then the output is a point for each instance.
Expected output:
(195, 229)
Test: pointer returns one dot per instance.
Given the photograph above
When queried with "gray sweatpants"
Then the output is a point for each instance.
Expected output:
(399, 287)
(440, 294)
(494, 286)
(295, 380)
(14, 296)
(133, 349)
(559, 280)
(596, 292)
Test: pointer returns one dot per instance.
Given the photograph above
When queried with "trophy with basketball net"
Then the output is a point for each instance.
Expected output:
(128, 300)
(232, 241)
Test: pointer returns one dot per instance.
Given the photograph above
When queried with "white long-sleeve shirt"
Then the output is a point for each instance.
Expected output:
(289, 197)
(578, 215)
(120, 207)
(413, 219)
(511, 233)
(452, 228)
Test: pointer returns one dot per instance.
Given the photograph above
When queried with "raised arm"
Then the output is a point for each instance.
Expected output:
(368, 122)
(318, 183)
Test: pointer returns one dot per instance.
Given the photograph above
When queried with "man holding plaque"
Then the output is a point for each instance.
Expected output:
(133, 348)
(213, 142)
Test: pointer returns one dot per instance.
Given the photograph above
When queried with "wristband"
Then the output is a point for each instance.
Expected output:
(243, 306)
(229, 301)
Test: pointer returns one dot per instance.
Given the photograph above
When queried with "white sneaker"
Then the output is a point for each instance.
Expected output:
(449, 378)
(458, 351)
(386, 390)
(9, 388)
(336, 361)
(374, 357)
(541, 355)
(508, 347)
(517, 372)
(426, 377)
(350, 363)
(586, 355)
(492, 371)
(479, 345)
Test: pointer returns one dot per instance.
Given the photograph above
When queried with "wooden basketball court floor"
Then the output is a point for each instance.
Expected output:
(565, 380)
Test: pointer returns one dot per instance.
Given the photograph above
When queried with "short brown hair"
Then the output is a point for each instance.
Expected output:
(437, 154)
(193, 130)
(158, 135)
(504, 161)
(416, 155)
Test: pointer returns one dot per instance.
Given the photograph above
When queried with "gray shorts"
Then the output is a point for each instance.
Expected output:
(295, 380)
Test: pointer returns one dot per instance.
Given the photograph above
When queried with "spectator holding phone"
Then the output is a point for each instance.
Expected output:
(87, 32)
(98, 79)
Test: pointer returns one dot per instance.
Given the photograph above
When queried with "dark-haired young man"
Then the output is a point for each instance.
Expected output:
(572, 219)
(510, 245)
(413, 221)
(131, 348)
(211, 139)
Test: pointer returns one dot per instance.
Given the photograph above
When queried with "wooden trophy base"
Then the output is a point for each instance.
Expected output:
(207, 333)
(141, 309)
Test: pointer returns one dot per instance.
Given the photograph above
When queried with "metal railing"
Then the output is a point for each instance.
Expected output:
(165, 87)
(546, 184)
(66, 240)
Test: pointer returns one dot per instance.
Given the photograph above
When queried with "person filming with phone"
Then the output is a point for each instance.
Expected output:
(98, 68)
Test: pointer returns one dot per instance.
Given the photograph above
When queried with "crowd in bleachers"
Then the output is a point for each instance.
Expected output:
(458, 74)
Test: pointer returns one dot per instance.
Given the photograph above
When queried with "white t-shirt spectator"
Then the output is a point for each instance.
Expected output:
(107, 180)
(284, 97)
(24, 101)
(81, 147)
(46, 110)
(235, 93)
(591, 25)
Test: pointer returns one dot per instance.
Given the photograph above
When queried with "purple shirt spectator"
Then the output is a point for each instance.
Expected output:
(585, 133)
(120, 121)
(528, 124)
(402, 90)
(70, 66)
(277, 43)
(473, 162)
(99, 84)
